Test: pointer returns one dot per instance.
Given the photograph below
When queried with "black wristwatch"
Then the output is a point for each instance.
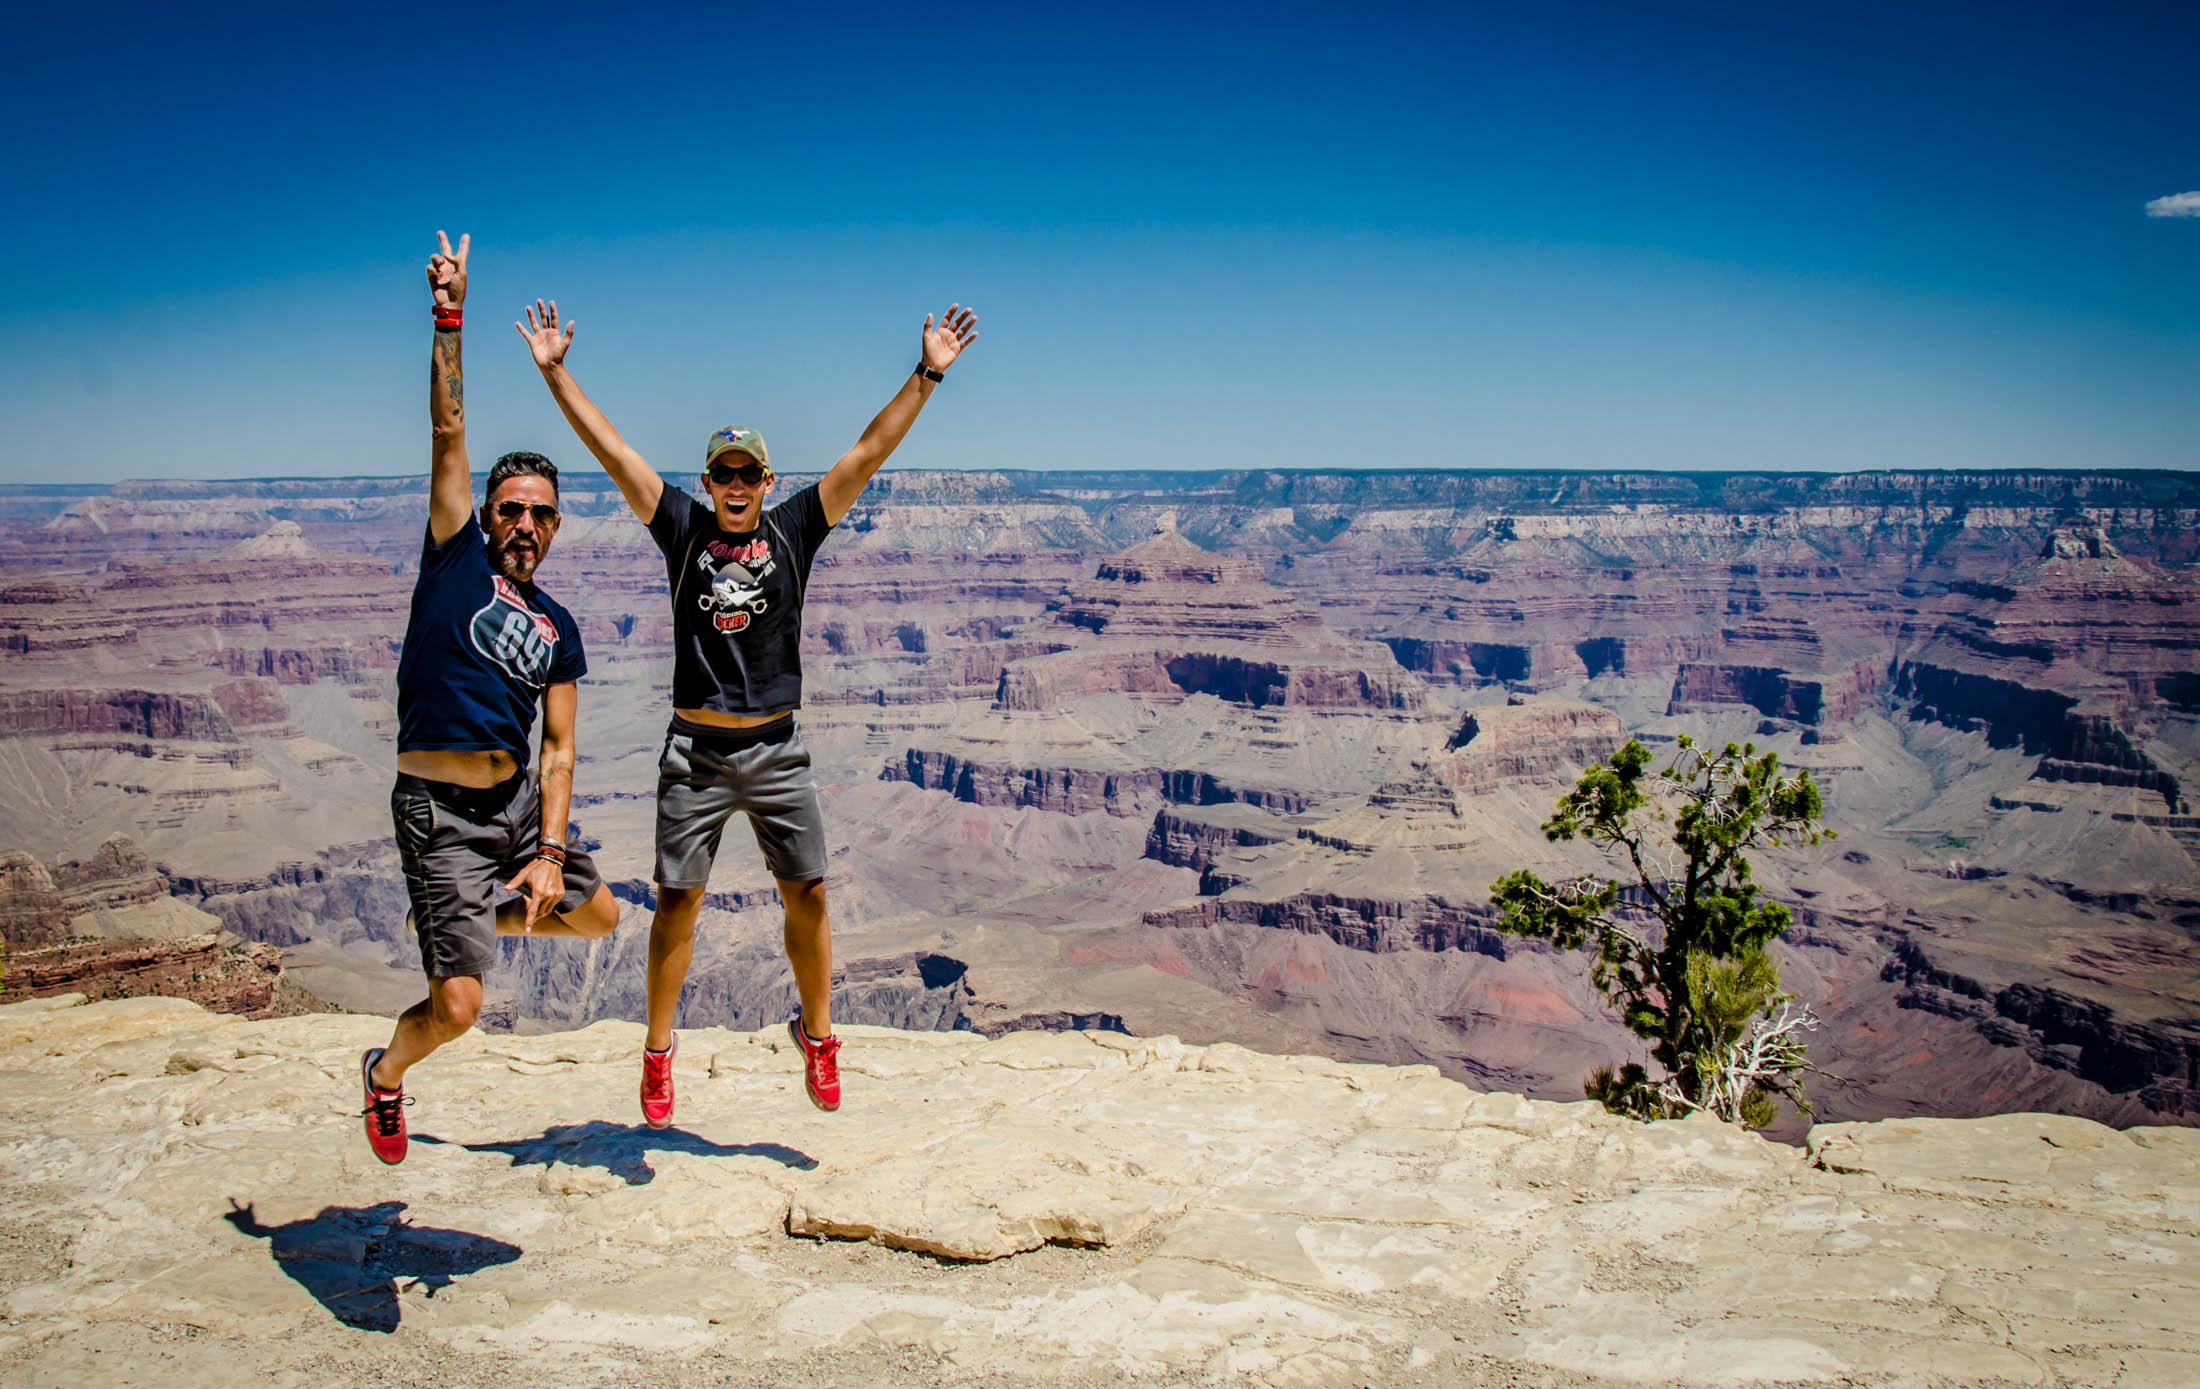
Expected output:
(930, 375)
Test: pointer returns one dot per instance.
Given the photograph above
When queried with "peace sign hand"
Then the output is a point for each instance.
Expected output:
(942, 345)
(545, 337)
(447, 271)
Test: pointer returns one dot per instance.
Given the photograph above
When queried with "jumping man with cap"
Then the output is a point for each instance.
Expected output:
(483, 647)
(738, 574)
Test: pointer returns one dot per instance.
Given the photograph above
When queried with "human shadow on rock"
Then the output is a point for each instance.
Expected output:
(355, 1260)
(623, 1149)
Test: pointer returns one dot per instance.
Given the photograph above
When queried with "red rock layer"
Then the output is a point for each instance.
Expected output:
(234, 977)
(1078, 790)
(1834, 697)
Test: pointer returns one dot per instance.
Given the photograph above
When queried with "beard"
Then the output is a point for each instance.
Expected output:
(518, 567)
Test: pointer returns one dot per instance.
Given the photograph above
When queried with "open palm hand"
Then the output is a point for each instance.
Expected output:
(546, 337)
(958, 328)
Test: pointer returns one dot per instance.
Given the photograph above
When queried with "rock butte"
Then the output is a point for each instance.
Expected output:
(187, 1194)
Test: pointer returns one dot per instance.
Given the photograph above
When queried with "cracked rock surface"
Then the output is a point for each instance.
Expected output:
(185, 1194)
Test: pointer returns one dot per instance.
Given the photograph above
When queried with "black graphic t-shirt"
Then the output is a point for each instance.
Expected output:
(479, 651)
(737, 601)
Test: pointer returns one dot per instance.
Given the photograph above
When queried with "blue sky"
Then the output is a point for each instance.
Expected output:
(1581, 237)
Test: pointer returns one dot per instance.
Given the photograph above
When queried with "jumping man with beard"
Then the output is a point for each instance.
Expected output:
(738, 574)
(483, 647)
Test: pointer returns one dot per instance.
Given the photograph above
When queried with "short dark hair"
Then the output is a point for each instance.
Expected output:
(521, 464)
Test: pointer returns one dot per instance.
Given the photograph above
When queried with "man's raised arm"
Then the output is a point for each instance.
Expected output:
(938, 349)
(450, 486)
(638, 482)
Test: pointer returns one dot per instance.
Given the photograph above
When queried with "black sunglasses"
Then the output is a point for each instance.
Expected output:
(750, 473)
(544, 513)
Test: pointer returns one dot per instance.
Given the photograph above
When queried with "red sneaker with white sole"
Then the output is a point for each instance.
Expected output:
(657, 1084)
(385, 1112)
(820, 1066)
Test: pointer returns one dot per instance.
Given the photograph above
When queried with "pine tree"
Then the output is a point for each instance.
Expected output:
(1680, 942)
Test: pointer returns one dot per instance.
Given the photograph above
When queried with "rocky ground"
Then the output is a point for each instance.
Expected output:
(185, 1194)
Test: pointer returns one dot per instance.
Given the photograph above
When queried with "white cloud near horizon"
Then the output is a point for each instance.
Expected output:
(2175, 205)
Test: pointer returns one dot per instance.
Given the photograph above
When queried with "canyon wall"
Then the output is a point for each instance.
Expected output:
(1230, 755)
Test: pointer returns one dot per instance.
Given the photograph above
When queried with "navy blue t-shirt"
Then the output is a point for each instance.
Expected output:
(479, 651)
(737, 601)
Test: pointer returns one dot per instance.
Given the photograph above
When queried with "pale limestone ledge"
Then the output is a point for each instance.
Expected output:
(1240, 1218)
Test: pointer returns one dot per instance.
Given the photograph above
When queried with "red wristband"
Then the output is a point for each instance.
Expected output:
(556, 856)
(448, 316)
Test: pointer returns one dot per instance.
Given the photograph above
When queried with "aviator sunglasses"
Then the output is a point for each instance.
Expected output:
(544, 513)
(750, 473)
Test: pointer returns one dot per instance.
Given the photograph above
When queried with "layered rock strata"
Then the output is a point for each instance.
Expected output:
(2080, 656)
(1166, 616)
(2070, 869)
(39, 905)
(229, 976)
(1824, 698)
(1080, 790)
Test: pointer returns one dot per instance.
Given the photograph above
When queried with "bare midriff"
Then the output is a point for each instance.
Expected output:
(480, 768)
(713, 718)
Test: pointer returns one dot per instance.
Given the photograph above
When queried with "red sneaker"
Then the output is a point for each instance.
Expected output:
(657, 1084)
(385, 1112)
(820, 1066)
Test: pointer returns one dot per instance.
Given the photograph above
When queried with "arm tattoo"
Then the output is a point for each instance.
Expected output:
(444, 372)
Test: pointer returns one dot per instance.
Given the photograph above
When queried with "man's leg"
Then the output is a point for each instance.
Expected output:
(597, 916)
(584, 912)
(790, 830)
(696, 792)
(444, 1015)
(809, 937)
(671, 947)
(450, 872)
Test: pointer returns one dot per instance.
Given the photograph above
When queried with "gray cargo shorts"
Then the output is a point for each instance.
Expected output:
(458, 845)
(704, 775)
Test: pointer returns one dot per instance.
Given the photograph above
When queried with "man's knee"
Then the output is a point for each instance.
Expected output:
(453, 1005)
(805, 900)
(597, 916)
(677, 908)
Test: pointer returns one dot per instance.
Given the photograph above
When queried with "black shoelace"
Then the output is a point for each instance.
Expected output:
(384, 1112)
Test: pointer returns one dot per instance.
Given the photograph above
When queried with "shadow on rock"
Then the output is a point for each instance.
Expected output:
(356, 1259)
(623, 1149)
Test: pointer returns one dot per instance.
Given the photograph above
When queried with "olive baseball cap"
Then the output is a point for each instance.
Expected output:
(734, 438)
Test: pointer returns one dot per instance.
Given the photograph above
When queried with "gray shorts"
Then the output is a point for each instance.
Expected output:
(458, 846)
(705, 775)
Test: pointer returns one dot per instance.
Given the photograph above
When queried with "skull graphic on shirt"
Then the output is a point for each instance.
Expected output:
(735, 595)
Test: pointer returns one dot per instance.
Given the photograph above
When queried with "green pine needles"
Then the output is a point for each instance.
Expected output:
(1680, 939)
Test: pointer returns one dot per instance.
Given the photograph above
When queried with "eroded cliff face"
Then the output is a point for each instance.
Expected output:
(106, 926)
(222, 976)
(2080, 656)
(41, 905)
(1229, 755)
(1081, 790)
(1167, 616)
(1826, 699)
(31, 911)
